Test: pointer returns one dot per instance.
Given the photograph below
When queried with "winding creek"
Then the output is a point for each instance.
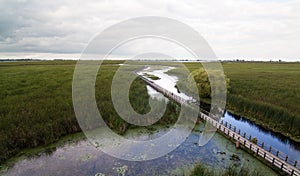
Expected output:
(82, 158)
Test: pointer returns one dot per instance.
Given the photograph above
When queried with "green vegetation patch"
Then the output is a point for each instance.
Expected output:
(202, 170)
(153, 77)
(36, 103)
(266, 93)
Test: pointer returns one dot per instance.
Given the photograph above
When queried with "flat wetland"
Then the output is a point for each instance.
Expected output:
(36, 111)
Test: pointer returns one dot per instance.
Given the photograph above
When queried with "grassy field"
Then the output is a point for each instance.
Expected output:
(36, 100)
(36, 103)
(268, 93)
(264, 92)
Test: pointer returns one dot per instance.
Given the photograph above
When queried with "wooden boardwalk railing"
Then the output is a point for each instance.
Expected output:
(265, 152)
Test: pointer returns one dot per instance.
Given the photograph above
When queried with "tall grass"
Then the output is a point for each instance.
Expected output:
(267, 93)
(36, 103)
(36, 106)
(36, 100)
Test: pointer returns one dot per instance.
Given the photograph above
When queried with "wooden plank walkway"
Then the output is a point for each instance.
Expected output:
(280, 161)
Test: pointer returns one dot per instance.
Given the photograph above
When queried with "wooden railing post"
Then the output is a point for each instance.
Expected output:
(244, 134)
(277, 153)
(262, 145)
(270, 149)
(286, 158)
(296, 163)
(239, 131)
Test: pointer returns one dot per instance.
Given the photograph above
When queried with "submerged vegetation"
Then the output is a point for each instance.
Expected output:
(232, 170)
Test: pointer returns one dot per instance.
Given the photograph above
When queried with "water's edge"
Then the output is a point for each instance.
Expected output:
(38, 151)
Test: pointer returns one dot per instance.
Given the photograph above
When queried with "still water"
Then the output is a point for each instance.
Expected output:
(276, 140)
(82, 158)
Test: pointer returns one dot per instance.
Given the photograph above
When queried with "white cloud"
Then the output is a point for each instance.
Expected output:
(240, 29)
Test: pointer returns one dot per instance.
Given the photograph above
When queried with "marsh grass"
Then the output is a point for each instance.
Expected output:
(36, 103)
(267, 93)
(153, 77)
(36, 100)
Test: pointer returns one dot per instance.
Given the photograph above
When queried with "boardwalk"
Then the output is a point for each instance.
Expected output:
(263, 151)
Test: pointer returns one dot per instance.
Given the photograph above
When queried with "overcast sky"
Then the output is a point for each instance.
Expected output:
(251, 29)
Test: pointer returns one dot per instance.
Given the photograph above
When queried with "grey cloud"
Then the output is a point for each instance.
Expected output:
(233, 28)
